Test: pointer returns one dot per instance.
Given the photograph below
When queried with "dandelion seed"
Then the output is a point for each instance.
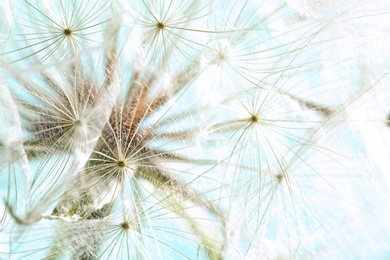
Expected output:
(48, 33)
(169, 30)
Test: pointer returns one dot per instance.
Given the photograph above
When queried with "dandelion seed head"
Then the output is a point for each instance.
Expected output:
(160, 129)
(168, 30)
(48, 32)
(231, 62)
(218, 53)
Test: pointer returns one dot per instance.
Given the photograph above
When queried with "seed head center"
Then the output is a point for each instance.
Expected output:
(279, 177)
(121, 164)
(77, 122)
(255, 118)
(125, 225)
(222, 56)
(160, 25)
(67, 31)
